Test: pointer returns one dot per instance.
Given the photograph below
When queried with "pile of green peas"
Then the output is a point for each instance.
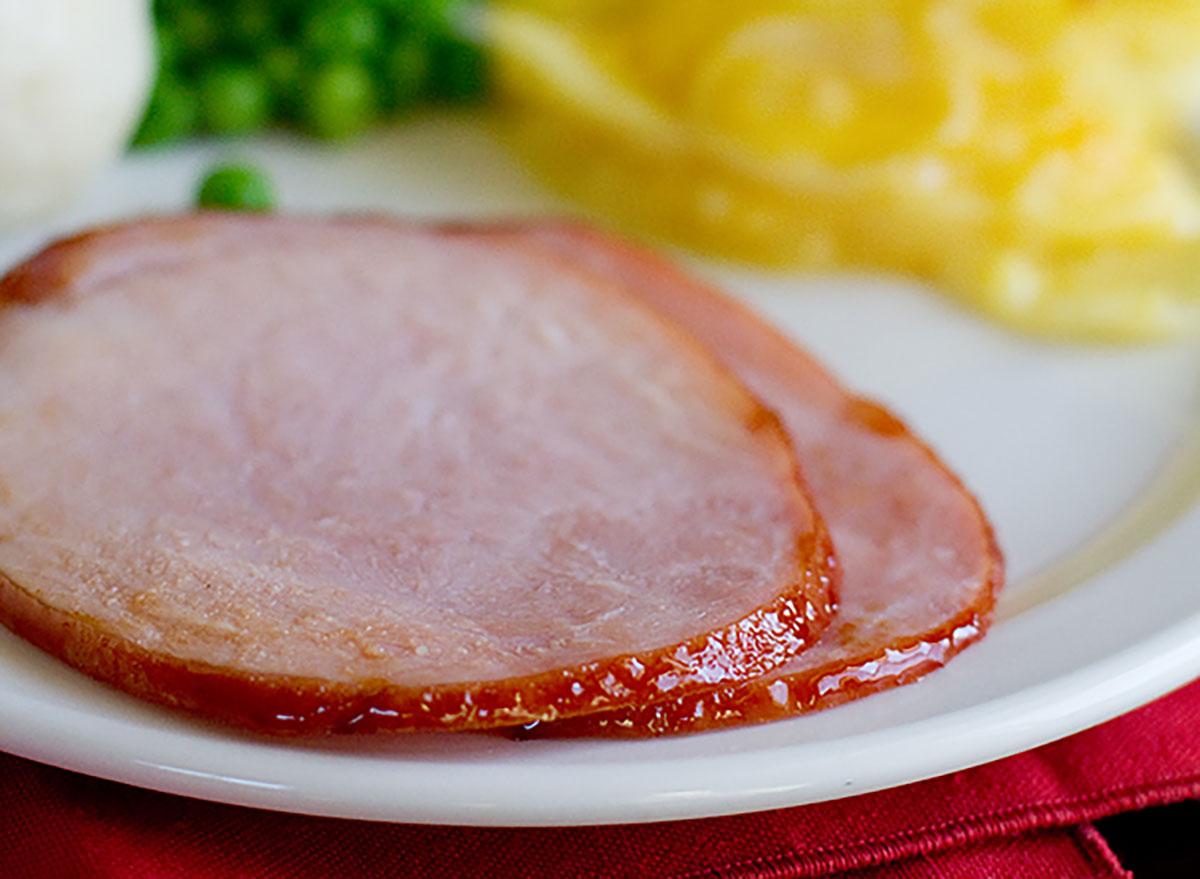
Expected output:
(330, 68)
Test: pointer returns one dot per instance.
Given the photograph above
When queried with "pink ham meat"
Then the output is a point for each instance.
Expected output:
(920, 566)
(348, 475)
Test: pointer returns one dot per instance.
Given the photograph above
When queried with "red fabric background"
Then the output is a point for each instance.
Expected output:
(1026, 816)
(1071, 853)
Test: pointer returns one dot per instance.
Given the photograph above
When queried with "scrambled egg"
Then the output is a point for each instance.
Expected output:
(1025, 155)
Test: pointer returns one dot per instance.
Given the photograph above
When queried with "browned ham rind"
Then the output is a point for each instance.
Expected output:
(920, 566)
(308, 476)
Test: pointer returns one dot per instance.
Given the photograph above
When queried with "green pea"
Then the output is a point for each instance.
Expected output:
(234, 99)
(343, 30)
(331, 65)
(170, 115)
(340, 100)
(234, 187)
(405, 74)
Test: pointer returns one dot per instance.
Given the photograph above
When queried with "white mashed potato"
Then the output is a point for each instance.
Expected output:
(74, 78)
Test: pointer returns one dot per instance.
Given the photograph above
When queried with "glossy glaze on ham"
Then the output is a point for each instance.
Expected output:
(920, 566)
(329, 475)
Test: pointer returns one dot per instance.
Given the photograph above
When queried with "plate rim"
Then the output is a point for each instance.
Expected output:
(1062, 704)
(1030, 717)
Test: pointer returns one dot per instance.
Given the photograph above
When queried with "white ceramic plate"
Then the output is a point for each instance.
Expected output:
(1088, 460)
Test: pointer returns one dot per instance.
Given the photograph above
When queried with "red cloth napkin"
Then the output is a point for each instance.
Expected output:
(1028, 816)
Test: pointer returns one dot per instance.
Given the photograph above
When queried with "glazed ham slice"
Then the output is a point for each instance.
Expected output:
(309, 476)
(920, 567)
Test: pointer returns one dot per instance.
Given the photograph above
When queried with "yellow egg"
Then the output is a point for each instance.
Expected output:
(1019, 154)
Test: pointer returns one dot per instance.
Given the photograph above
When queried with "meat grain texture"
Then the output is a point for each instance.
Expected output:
(348, 475)
(920, 566)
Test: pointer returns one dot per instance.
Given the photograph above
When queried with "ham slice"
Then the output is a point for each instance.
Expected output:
(920, 566)
(329, 475)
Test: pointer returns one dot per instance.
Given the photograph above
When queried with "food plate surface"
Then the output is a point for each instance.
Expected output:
(1086, 459)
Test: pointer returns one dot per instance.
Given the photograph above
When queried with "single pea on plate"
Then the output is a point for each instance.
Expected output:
(236, 187)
